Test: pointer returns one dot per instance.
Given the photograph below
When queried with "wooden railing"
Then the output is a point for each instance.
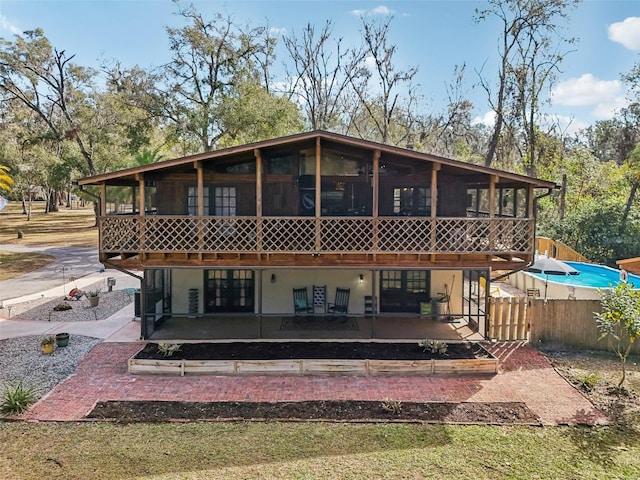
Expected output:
(133, 234)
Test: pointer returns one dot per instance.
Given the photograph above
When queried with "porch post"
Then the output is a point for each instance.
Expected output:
(318, 212)
(259, 289)
(199, 222)
(258, 155)
(434, 209)
(492, 211)
(141, 212)
(531, 214)
(141, 205)
(102, 208)
(376, 189)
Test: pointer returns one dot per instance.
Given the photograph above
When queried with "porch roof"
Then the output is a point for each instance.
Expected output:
(306, 140)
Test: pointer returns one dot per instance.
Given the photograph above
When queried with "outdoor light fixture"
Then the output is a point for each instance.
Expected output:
(361, 277)
(273, 278)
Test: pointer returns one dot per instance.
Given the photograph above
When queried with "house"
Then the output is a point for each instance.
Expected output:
(228, 234)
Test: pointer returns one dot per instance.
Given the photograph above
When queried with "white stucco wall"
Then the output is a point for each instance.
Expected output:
(182, 279)
(277, 297)
(453, 280)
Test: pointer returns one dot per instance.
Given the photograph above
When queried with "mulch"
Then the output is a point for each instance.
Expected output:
(312, 350)
(494, 413)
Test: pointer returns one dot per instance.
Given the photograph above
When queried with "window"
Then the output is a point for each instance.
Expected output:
(192, 201)
(412, 201)
(225, 201)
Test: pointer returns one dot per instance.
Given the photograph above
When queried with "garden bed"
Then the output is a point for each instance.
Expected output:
(307, 358)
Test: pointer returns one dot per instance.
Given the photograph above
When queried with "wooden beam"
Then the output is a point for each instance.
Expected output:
(492, 195)
(375, 184)
(200, 173)
(102, 208)
(434, 207)
(141, 206)
(258, 154)
(318, 197)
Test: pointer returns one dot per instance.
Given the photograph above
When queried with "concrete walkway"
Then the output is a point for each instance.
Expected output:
(70, 262)
(525, 375)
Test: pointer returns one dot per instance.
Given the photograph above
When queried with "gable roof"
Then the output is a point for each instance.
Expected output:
(309, 138)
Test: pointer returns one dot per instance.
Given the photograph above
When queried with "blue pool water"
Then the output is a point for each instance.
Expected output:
(594, 276)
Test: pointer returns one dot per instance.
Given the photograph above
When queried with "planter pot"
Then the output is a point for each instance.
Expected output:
(93, 301)
(48, 348)
(62, 339)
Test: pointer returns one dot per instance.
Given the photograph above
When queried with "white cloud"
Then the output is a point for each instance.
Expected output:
(370, 62)
(603, 97)
(5, 24)
(608, 110)
(626, 33)
(585, 91)
(277, 30)
(379, 10)
(567, 125)
(488, 119)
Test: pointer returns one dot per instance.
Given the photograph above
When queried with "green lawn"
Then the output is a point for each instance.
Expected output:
(315, 450)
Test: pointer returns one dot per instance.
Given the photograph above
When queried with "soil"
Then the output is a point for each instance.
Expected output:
(498, 413)
(311, 350)
(597, 374)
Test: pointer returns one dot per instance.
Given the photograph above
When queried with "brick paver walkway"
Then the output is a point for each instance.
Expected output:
(525, 376)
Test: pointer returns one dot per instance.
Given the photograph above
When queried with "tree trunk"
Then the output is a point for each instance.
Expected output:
(627, 208)
(563, 197)
(52, 203)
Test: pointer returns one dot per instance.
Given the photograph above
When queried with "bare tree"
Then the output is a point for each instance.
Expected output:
(323, 71)
(529, 55)
(380, 52)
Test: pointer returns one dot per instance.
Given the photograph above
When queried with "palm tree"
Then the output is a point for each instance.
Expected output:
(148, 156)
(5, 180)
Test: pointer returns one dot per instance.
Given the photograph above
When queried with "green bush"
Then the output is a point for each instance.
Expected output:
(16, 398)
(588, 382)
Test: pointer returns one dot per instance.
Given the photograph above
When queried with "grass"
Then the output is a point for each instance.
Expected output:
(314, 450)
(65, 228)
(15, 264)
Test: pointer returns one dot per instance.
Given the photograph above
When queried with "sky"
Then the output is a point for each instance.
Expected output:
(432, 35)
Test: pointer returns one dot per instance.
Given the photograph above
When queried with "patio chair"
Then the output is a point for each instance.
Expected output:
(301, 303)
(340, 305)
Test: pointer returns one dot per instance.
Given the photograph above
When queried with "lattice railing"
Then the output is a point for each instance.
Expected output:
(123, 234)
(288, 234)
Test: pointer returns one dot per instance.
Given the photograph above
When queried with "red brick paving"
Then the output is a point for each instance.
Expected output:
(525, 376)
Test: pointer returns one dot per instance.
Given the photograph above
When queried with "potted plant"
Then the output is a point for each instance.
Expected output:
(48, 344)
(62, 339)
(94, 297)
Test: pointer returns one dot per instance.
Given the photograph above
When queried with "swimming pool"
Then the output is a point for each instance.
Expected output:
(585, 286)
(591, 275)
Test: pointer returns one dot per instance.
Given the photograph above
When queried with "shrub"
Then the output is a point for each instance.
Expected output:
(16, 398)
(588, 382)
(392, 406)
(168, 349)
(434, 346)
(619, 321)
